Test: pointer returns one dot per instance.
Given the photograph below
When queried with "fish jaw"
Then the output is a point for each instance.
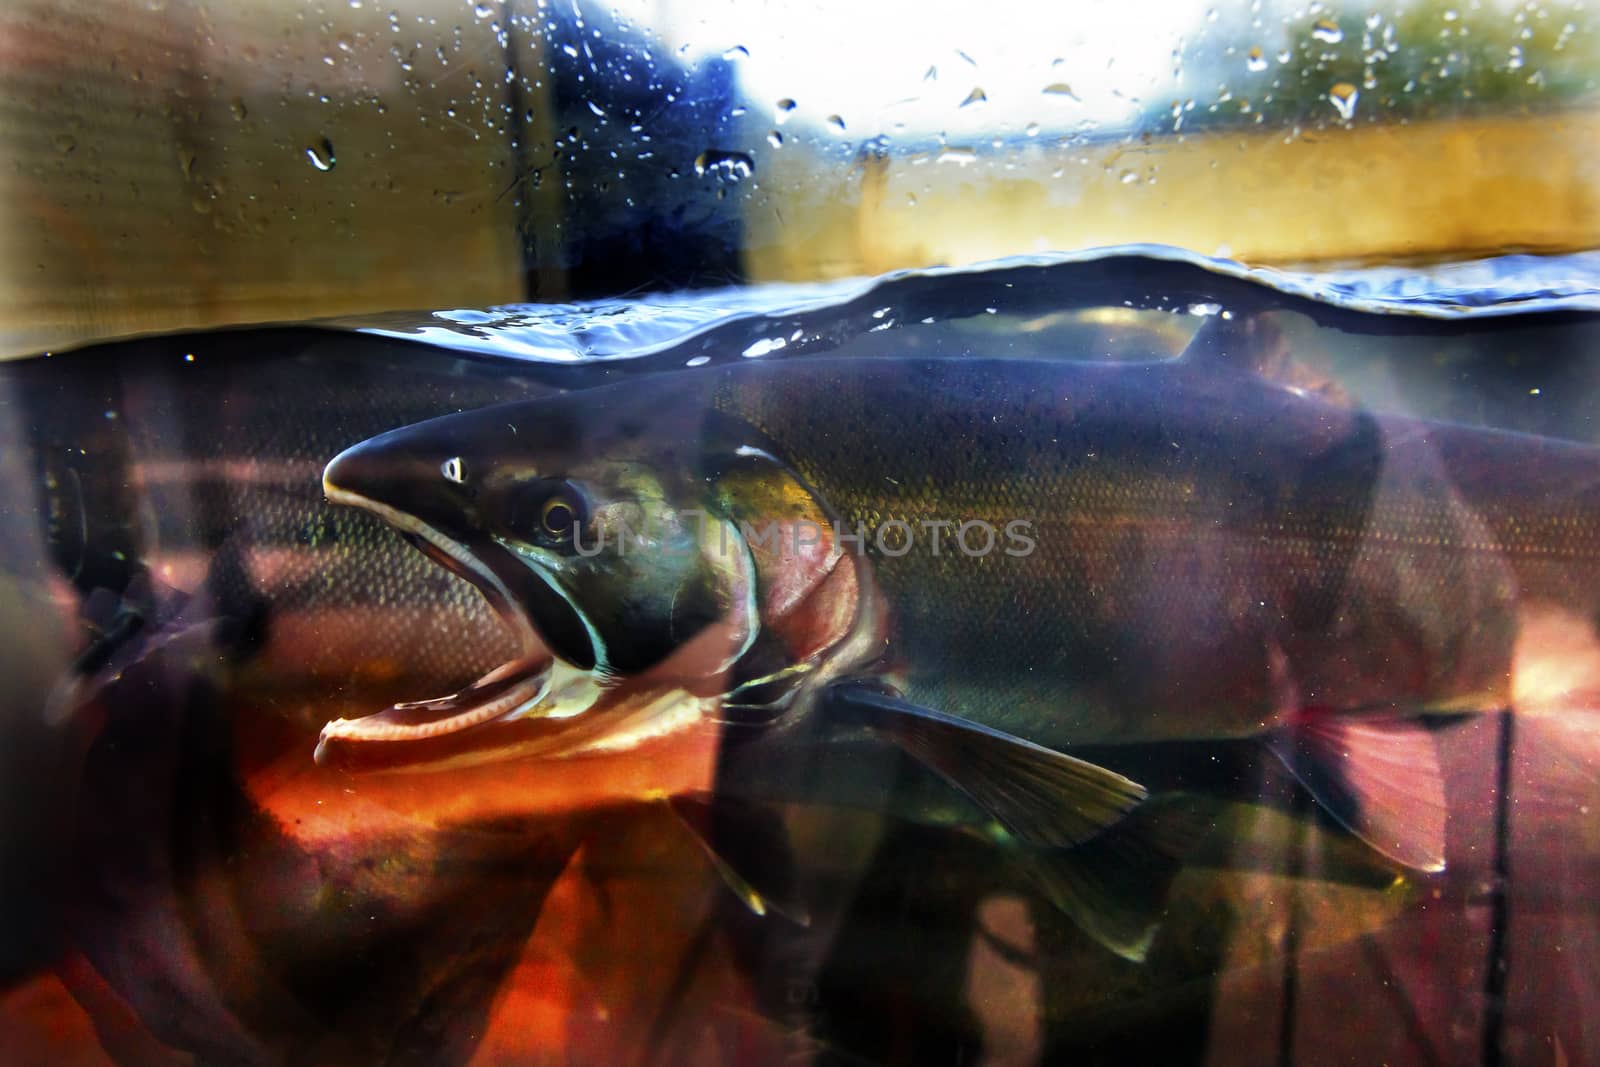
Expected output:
(602, 723)
(533, 684)
(505, 692)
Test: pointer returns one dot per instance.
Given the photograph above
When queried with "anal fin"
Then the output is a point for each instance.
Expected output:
(1377, 774)
(1044, 798)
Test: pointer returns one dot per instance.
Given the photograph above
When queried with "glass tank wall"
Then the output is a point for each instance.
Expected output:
(723, 533)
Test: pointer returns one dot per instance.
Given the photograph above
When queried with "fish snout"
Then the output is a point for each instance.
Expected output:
(406, 478)
(347, 474)
(378, 471)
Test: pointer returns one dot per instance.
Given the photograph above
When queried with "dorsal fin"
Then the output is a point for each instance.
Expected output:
(1243, 343)
(1236, 341)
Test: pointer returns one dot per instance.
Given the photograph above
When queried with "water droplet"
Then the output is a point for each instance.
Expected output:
(729, 166)
(1327, 31)
(240, 112)
(599, 111)
(66, 144)
(1128, 177)
(1254, 61)
(977, 96)
(1032, 129)
(1060, 89)
(738, 51)
(775, 139)
(698, 361)
(483, 11)
(932, 74)
(1343, 97)
(836, 123)
(961, 157)
(321, 154)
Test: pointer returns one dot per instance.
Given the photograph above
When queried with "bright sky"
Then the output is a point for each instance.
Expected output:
(868, 61)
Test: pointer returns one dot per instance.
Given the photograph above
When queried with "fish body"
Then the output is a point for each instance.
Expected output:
(1198, 552)
(989, 564)
(1151, 553)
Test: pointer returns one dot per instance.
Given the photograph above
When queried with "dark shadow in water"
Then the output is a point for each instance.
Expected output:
(235, 942)
(894, 988)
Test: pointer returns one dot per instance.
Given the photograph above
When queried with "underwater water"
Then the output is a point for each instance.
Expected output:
(1105, 658)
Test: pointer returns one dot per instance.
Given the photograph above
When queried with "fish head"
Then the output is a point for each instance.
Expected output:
(608, 528)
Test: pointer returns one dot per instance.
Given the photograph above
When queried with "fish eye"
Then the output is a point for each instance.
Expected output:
(546, 511)
(557, 517)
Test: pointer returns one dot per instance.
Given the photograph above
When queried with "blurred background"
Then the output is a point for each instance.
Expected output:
(179, 163)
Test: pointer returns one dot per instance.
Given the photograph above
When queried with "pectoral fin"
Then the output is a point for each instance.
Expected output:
(1044, 798)
(749, 850)
(1377, 774)
(1113, 887)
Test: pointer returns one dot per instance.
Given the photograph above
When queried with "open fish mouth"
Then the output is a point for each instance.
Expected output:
(531, 684)
(510, 689)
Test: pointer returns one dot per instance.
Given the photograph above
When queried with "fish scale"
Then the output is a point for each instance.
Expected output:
(1158, 528)
(209, 477)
